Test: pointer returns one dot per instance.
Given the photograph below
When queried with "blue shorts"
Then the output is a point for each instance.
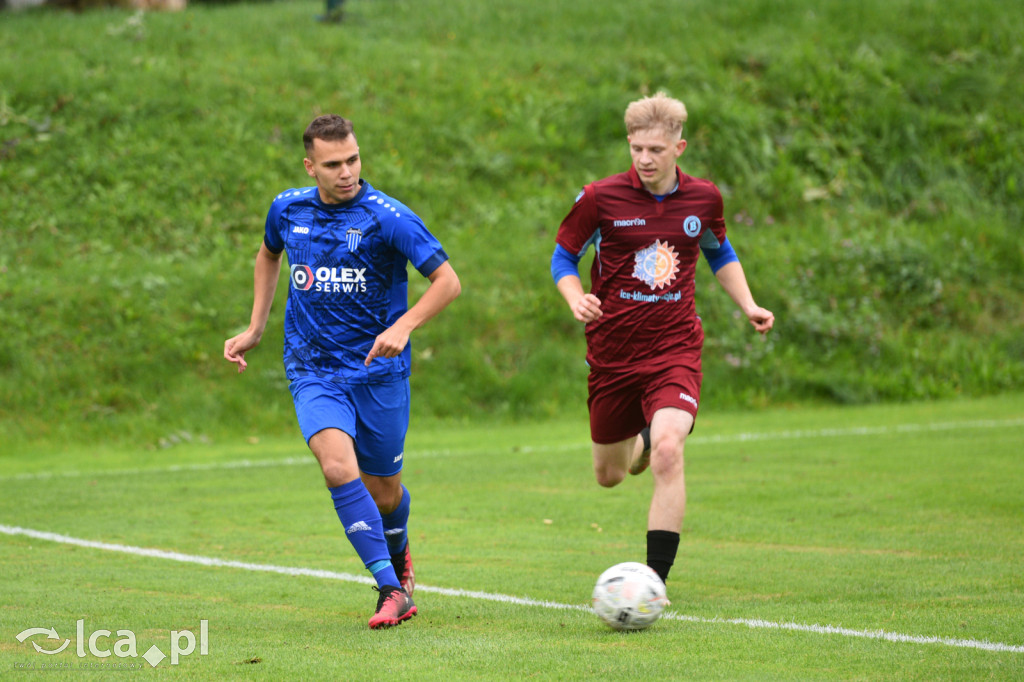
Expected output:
(375, 415)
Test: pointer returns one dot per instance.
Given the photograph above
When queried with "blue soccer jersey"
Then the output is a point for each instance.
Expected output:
(348, 279)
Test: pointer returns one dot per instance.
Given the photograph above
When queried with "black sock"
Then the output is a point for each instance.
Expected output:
(662, 546)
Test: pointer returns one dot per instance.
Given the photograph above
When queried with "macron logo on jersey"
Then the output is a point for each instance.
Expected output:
(329, 280)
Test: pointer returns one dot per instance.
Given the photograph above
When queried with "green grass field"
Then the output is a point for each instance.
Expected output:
(825, 543)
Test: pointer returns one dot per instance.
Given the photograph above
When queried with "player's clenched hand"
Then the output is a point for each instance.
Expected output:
(236, 347)
(389, 344)
(587, 308)
(762, 319)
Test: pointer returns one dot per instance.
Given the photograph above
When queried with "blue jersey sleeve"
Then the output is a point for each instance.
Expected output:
(432, 263)
(721, 256)
(564, 263)
(271, 232)
(411, 237)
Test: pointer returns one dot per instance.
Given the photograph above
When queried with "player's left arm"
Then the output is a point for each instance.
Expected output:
(443, 289)
(734, 281)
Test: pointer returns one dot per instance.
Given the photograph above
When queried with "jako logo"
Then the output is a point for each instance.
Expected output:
(126, 646)
(329, 280)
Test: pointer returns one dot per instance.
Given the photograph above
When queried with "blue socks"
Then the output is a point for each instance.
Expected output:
(363, 526)
(396, 524)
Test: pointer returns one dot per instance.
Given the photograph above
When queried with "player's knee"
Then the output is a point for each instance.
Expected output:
(609, 477)
(337, 473)
(666, 460)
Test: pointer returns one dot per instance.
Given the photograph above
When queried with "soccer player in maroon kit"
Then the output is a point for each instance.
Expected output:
(649, 227)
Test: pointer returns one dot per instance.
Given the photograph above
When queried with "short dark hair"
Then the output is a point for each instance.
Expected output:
(329, 127)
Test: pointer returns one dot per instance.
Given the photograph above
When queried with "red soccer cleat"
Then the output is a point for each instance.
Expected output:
(393, 607)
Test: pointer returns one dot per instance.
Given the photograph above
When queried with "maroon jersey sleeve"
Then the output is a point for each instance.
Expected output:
(579, 226)
(718, 221)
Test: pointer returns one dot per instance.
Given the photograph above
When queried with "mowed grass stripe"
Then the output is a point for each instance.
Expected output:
(504, 598)
(798, 434)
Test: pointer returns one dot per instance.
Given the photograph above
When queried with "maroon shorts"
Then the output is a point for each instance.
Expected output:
(623, 403)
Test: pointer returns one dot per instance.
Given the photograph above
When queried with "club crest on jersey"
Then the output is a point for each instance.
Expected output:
(657, 265)
(353, 237)
(691, 226)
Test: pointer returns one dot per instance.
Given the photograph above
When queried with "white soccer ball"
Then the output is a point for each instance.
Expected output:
(629, 596)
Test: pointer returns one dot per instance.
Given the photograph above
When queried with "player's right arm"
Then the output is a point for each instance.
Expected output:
(265, 276)
(585, 307)
(575, 235)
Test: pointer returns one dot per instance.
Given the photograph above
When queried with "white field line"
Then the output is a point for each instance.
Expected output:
(725, 438)
(504, 598)
(174, 468)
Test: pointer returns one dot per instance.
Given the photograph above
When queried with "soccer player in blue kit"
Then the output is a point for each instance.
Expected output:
(346, 346)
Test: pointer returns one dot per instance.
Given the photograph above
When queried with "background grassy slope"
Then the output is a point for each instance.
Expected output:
(868, 153)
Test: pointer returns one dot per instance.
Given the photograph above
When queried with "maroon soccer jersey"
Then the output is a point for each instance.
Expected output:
(643, 271)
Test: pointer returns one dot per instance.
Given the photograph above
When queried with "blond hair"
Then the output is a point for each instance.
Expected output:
(658, 112)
